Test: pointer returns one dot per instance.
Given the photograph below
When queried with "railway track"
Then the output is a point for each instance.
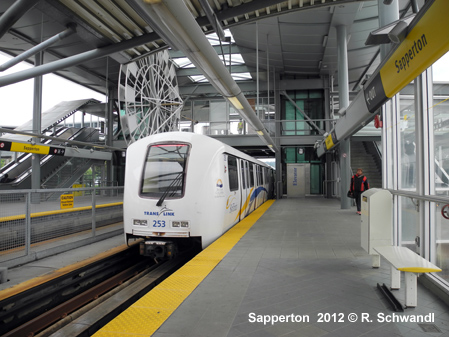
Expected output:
(49, 306)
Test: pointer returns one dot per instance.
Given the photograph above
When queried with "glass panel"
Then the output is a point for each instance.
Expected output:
(243, 174)
(316, 180)
(291, 113)
(236, 123)
(201, 111)
(233, 175)
(201, 117)
(311, 104)
(407, 144)
(218, 125)
(442, 240)
(441, 125)
(164, 171)
(290, 154)
(410, 223)
(251, 175)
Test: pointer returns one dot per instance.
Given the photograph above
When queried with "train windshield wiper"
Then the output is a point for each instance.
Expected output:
(173, 186)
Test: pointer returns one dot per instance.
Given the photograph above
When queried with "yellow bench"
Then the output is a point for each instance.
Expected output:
(403, 259)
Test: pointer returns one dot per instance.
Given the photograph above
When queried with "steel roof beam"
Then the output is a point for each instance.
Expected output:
(213, 19)
(176, 25)
(71, 29)
(14, 13)
(76, 59)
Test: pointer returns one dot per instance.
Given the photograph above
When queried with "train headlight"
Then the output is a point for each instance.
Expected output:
(177, 224)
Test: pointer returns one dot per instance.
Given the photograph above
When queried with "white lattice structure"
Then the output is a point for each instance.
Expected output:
(150, 97)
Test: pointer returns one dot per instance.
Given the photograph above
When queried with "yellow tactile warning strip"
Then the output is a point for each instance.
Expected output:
(145, 316)
(14, 290)
(61, 211)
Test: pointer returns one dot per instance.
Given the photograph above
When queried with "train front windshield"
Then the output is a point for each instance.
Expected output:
(164, 171)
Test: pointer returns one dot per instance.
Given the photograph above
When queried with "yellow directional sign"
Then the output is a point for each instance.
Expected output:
(426, 42)
(29, 148)
(22, 147)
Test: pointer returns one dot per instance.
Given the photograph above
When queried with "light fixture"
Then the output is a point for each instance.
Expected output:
(235, 102)
(259, 132)
(325, 40)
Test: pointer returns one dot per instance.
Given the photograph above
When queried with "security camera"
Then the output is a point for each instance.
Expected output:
(398, 33)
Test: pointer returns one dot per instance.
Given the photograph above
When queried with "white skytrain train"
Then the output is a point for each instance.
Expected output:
(187, 188)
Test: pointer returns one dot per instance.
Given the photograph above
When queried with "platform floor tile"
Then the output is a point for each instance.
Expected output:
(146, 315)
(302, 257)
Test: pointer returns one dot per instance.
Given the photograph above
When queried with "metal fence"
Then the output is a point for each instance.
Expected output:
(39, 223)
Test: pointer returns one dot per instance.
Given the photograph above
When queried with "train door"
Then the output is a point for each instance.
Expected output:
(251, 188)
(265, 183)
(258, 189)
(233, 196)
(244, 188)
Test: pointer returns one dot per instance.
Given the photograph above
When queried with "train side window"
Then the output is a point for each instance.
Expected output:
(259, 175)
(251, 175)
(242, 166)
(233, 174)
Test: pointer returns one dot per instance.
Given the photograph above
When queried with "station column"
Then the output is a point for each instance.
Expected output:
(37, 111)
(343, 95)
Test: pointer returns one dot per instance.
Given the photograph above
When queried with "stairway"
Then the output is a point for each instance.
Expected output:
(364, 155)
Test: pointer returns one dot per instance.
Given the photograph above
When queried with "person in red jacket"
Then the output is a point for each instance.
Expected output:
(359, 184)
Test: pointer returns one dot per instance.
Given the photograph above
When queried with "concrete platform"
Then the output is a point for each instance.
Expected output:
(302, 259)
(302, 262)
(49, 265)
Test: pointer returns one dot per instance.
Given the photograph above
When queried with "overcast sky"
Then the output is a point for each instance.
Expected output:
(16, 100)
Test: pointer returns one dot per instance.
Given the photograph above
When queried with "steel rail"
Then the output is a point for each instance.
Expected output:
(18, 311)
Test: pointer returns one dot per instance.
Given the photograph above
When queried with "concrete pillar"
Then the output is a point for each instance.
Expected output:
(277, 139)
(387, 14)
(328, 127)
(343, 95)
(110, 176)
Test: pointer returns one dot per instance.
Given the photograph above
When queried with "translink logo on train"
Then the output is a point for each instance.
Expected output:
(159, 213)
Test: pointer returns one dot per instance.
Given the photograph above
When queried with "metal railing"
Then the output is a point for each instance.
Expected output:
(414, 195)
(32, 224)
(297, 127)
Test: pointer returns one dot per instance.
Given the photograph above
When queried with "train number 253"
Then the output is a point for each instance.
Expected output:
(158, 223)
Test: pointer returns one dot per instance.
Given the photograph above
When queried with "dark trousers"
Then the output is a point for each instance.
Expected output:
(358, 200)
